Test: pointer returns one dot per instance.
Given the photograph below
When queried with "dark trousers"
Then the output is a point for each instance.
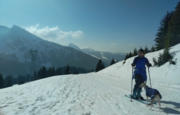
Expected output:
(137, 89)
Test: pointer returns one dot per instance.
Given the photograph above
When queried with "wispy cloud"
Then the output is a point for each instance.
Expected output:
(54, 34)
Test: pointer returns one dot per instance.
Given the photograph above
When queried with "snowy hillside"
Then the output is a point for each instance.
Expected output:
(20, 50)
(101, 93)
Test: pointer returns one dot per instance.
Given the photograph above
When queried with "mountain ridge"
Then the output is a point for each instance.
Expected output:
(23, 44)
(103, 55)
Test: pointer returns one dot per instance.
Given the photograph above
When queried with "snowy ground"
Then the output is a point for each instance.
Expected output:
(101, 93)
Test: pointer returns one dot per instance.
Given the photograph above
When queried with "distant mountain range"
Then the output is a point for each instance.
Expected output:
(105, 56)
(22, 52)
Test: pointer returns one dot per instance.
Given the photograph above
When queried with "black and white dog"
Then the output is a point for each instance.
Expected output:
(153, 94)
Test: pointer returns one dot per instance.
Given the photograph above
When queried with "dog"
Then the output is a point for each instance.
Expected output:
(153, 94)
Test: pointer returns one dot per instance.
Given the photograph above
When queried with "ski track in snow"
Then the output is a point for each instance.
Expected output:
(101, 93)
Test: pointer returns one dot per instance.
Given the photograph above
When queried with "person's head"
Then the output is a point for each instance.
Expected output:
(141, 53)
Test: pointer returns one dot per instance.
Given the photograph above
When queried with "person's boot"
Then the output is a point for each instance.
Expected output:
(142, 98)
(139, 94)
(139, 97)
(134, 95)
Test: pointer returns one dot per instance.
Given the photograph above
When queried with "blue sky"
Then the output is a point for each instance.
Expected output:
(106, 25)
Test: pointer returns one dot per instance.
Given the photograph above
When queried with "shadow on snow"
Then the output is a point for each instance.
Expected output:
(169, 110)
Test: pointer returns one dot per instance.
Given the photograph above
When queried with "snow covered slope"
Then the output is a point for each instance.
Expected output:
(101, 93)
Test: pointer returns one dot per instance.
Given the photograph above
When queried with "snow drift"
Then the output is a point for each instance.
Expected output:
(101, 93)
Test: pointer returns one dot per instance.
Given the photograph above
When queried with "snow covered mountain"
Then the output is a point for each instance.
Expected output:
(22, 52)
(105, 56)
(74, 46)
(101, 93)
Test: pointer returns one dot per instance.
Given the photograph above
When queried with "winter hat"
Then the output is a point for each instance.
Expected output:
(141, 50)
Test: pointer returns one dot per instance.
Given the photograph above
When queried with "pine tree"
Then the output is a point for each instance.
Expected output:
(99, 66)
(168, 35)
(170, 25)
(161, 35)
(130, 54)
(42, 73)
(20, 79)
(146, 50)
(1, 81)
(166, 56)
(135, 52)
(8, 81)
(67, 70)
(126, 57)
(153, 49)
(59, 71)
(174, 27)
(35, 76)
(112, 62)
(51, 71)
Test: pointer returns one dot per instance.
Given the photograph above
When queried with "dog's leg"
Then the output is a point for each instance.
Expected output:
(151, 103)
(159, 104)
(159, 101)
(146, 98)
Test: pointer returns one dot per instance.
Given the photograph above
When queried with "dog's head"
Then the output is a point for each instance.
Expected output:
(143, 85)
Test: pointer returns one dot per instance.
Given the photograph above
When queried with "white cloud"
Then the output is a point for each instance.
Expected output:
(54, 34)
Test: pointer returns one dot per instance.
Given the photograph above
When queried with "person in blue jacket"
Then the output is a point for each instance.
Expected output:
(140, 62)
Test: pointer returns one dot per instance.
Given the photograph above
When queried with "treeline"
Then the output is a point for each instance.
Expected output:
(100, 65)
(169, 31)
(43, 72)
(167, 36)
(135, 52)
(51, 71)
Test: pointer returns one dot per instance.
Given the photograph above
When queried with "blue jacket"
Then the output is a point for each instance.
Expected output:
(150, 92)
(140, 69)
